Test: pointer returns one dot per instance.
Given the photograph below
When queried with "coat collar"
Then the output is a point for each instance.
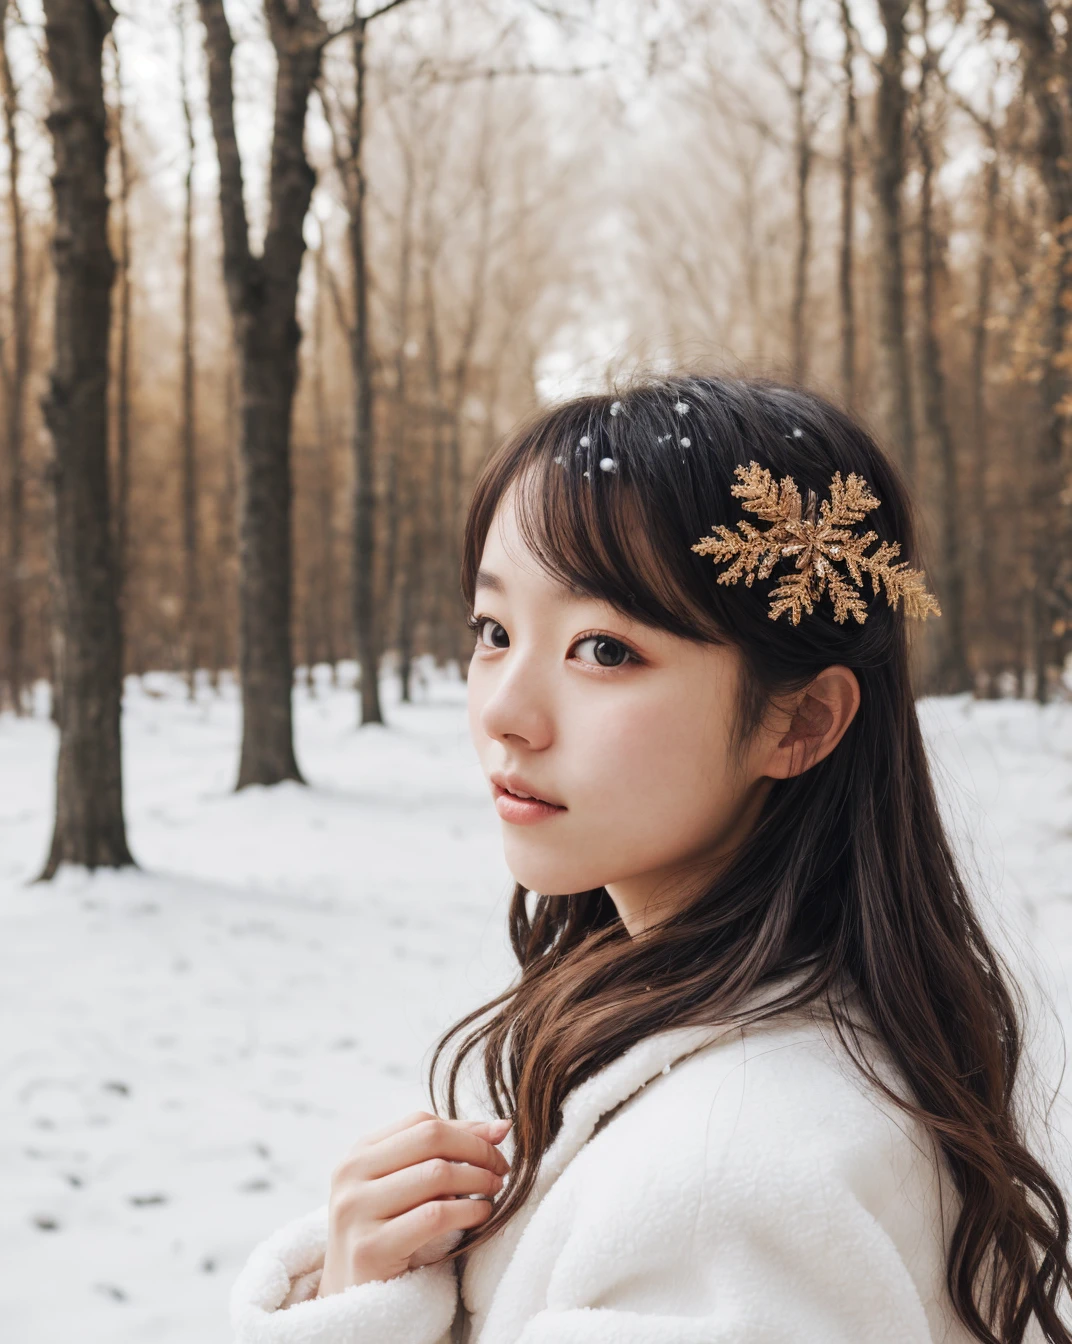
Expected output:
(613, 1085)
(584, 1110)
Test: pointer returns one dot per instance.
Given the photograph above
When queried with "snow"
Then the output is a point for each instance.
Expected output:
(191, 1047)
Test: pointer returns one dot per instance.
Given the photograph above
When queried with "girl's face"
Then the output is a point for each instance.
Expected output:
(620, 733)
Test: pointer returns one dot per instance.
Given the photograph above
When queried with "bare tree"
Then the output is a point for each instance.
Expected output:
(349, 140)
(191, 588)
(223, 557)
(123, 362)
(473, 317)
(982, 551)
(89, 825)
(16, 376)
(798, 89)
(893, 384)
(262, 294)
(846, 285)
(398, 465)
(1031, 23)
(326, 644)
(954, 674)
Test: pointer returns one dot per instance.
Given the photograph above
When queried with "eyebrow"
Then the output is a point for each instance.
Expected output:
(486, 579)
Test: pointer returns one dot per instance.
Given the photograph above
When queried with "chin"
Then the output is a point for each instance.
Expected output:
(553, 877)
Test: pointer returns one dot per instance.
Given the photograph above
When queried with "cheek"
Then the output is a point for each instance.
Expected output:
(649, 783)
(475, 697)
(657, 763)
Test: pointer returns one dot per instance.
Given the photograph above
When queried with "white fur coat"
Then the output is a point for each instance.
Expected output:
(749, 1188)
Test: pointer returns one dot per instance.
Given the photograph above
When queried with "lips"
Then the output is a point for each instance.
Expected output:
(520, 788)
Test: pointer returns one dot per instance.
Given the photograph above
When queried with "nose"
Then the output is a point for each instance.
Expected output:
(516, 708)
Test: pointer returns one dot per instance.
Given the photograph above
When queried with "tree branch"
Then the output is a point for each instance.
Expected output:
(499, 72)
(383, 9)
(359, 21)
(1026, 20)
(337, 301)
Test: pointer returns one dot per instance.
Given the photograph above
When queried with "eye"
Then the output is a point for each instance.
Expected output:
(489, 634)
(604, 651)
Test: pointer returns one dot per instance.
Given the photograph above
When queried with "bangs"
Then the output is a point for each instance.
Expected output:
(591, 510)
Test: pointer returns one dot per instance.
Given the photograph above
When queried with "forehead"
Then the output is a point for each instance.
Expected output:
(508, 560)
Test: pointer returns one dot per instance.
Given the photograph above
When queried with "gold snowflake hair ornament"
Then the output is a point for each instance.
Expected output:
(821, 544)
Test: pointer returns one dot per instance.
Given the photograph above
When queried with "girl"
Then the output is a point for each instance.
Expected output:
(761, 1061)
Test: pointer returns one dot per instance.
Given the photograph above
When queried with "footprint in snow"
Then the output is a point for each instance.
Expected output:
(111, 1290)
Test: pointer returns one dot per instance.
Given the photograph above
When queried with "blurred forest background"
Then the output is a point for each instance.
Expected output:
(277, 275)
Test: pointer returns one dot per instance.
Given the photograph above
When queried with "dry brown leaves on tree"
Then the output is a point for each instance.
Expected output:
(821, 544)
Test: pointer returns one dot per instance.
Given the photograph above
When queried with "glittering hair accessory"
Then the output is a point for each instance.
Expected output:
(820, 545)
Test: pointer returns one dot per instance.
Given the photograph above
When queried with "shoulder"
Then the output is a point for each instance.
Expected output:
(776, 1121)
(786, 1101)
(768, 1157)
(784, 1086)
(793, 1090)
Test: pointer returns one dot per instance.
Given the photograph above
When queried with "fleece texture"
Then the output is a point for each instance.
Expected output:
(740, 1185)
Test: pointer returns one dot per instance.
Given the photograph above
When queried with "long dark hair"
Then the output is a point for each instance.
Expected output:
(848, 877)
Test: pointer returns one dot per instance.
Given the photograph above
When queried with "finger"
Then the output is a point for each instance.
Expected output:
(494, 1130)
(414, 1118)
(435, 1179)
(400, 1237)
(431, 1138)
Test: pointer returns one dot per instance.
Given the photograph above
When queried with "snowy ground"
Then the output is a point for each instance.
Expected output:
(189, 1048)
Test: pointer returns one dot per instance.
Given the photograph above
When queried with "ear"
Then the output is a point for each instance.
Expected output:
(818, 718)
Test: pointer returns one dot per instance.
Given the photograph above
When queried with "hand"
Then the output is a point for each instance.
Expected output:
(402, 1187)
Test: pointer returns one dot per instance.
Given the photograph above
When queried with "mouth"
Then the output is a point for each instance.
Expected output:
(519, 806)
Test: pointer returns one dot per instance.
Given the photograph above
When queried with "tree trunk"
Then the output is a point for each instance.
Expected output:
(954, 673)
(441, 529)
(803, 154)
(226, 500)
(191, 590)
(89, 827)
(350, 163)
(325, 453)
(366, 622)
(400, 493)
(846, 295)
(893, 385)
(982, 550)
(262, 294)
(754, 260)
(17, 382)
(474, 320)
(409, 602)
(123, 361)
